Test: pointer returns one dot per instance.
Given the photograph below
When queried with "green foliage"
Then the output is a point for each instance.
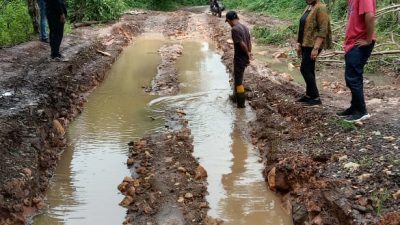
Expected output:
(15, 23)
(269, 35)
(282, 8)
(378, 199)
(99, 10)
(345, 125)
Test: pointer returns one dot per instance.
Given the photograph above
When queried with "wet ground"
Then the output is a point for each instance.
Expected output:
(328, 171)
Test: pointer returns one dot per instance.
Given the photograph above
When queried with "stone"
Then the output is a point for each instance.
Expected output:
(352, 166)
(141, 170)
(128, 179)
(211, 221)
(200, 173)
(127, 201)
(286, 77)
(299, 214)
(277, 181)
(181, 199)
(182, 169)
(271, 179)
(396, 195)
(343, 158)
(130, 162)
(58, 127)
(317, 221)
(188, 195)
(122, 187)
(280, 55)
(390, 138)
(364, 177)
(376, 133)
(27, 172)
(131, 191)
(37, 200)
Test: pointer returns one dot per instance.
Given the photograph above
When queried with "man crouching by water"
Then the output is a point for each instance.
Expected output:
(242, 45)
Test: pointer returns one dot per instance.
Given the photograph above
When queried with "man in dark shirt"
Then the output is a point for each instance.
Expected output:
(242, 46)
(56, 14)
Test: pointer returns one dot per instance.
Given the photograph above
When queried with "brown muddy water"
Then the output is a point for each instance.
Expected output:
(84, 188)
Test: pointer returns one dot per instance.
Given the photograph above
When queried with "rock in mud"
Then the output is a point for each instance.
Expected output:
(200, 173)
(58, 127)
(396, 195)
(127, 201)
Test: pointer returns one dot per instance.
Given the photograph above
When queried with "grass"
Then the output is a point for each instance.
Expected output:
(267, 35)
(345, 125)
(378, 199)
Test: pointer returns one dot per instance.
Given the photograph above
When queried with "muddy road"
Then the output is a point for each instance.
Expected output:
(325, 171)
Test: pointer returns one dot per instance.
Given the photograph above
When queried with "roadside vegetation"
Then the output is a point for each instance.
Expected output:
(387, 50)
(16, 22)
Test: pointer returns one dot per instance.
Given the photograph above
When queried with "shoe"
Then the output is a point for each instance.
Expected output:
(44, 40)
(232, 98)
(357, 117)
(312, 102)
(59, 58)
(240, 100)
(346, 112)
(303, 99)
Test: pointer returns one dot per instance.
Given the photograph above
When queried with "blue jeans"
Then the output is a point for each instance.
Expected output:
(355, 62)
(43, 20)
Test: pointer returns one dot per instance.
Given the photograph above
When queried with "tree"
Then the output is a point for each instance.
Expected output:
(33, 10)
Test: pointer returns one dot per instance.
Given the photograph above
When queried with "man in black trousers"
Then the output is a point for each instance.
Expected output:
(56, 14)
(242, 47)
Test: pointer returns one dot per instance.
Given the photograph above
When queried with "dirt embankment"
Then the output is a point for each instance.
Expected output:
(38, 100)
(167, 185)
(166, 80)
(330, 171)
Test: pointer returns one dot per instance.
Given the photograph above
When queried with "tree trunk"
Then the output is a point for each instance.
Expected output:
(33, 10)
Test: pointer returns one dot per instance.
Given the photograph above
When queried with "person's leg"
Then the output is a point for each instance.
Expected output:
(308, 72)
(52, 35)
(43, 20)
(59, 33)
(238, 73)
(356, 60)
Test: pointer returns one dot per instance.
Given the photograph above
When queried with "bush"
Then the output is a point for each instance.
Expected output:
(268, 35)
(15, 23)
(99, 10)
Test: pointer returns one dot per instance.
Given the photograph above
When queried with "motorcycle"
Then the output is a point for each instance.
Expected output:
(216, 8)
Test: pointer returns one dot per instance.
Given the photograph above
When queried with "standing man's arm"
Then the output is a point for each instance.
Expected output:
(246, 49)
(369, 18)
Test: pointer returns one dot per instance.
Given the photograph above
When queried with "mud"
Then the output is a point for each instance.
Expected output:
(39, 99)
(167, 186)
(330, 172)
(166, 80)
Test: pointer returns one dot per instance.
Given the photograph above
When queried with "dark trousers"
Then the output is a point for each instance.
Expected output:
(56, 34)
(238, 91)
(355, 62)
(308, 71)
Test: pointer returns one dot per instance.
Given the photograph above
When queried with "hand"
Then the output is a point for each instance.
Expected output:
(362, 42)
(251, 57)
(298, 50)
(62, 18)
(314, 53)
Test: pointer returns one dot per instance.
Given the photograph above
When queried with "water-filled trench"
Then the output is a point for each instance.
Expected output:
(84, 187)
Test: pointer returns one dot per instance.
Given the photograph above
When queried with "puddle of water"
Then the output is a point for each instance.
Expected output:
(84, 187)
(237, 190)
